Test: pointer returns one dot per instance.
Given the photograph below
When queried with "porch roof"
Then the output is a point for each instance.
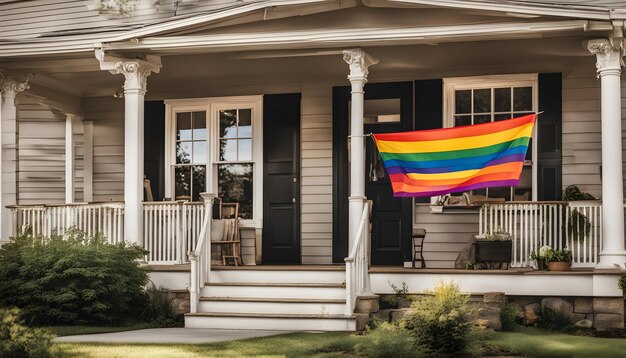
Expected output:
(39, 27)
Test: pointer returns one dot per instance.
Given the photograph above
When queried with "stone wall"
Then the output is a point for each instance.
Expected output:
(601, 313)
(180, 301)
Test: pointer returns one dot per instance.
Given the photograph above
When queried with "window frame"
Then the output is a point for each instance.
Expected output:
(212, 106)
(452, 84)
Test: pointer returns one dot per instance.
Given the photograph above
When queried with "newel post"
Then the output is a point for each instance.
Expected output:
(359, 62)
(609, 67)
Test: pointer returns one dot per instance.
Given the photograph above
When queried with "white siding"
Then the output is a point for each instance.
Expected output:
(107, 114)
(316, 138)
(41, 155)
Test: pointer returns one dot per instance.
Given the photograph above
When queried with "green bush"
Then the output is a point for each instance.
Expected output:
(72, 280)
(17, 340)
(564, 255)
(158, 309)
(438, 321)
(393, 301)
(554, 320)
(388, 340)
(508, 316)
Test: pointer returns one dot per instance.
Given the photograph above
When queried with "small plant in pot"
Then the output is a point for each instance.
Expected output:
(559, 260)
(494, 249)
(539, 256)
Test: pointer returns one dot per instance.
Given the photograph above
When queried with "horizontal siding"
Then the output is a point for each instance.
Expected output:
(446, 234)
(107, 115)
(41, 156)
(316, 176)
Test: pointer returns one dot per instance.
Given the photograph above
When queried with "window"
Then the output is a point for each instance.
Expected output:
(474, 100)
(215, 145)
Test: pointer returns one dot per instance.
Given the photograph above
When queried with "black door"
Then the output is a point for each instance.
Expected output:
(388, 108)
(281, 179)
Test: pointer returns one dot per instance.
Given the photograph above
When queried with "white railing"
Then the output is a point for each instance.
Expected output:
(170, 230)
(575, 225)
(357, 264)
(200, 256)
(104, 218)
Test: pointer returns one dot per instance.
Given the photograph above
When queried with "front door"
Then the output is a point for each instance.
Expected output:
(388, 108)
(281, 179)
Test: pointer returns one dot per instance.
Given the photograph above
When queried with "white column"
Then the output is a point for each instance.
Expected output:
(9, 87)
(609, 67)
(359, 62)
(69, 158)
(136, 72)
(88, 161)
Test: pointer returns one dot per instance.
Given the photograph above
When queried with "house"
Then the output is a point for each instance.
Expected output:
(267, 102)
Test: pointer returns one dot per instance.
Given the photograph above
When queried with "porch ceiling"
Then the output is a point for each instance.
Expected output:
(199, 75)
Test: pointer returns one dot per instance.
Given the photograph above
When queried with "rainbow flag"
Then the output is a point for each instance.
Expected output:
(441, 161)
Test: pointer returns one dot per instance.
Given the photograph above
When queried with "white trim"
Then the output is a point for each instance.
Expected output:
(492, 81)
(212, 106)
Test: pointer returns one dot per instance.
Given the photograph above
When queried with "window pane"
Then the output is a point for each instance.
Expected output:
(501, 116)
(183, 126)
(235, 186)
(245, 149)
(462, 120)
(502, 100)
(245, 123)
(462, 101)
(522, 99)
(199, 152)
(199, 181)
(182, 183)
(183, 152)
(228, 123)
(482, 101)
(228, 149)
(500, 192)
(483, 118)
(199, 125)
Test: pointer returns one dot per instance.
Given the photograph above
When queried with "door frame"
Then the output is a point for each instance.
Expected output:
(341, 97)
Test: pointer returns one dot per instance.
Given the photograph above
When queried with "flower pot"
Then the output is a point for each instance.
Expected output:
(541, 264)
(559, 266)
(493, 251)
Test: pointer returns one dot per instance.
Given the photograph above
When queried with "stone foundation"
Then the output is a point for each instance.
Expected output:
(180, 301)
(601, 313)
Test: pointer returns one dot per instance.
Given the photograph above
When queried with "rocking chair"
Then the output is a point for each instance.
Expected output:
(227, 235)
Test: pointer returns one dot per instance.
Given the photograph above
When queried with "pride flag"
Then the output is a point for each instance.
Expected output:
(441, 161)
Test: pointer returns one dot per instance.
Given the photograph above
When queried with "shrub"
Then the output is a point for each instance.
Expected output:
(621, 284)
(388, 340)
(72, 280)
(392, 301)
(564, 255)
(508, 316)
(158, 309)
(17, 340)
(438, 321)
(554, 320)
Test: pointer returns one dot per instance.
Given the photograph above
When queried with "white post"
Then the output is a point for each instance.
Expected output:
(88, 161)
(9, 87)
(359, 62)
(136, 72)
(69, 158)
(609, 67)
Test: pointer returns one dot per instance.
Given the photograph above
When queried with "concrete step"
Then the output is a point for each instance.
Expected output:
(280, 322)
(275, 290)
(272, 305)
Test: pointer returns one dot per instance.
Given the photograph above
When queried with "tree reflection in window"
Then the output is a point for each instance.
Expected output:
(235, 186)
(191, 155)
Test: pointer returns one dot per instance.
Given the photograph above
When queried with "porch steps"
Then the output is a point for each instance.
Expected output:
(280, 299)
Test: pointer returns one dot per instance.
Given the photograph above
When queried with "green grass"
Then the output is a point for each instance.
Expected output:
(333, 344)
(526, 342)
(529, 342)
(76, 330)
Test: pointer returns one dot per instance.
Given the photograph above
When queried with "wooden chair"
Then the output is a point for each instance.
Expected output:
(417, 239)
(229, 242)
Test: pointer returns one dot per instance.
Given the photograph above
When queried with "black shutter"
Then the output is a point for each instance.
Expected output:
(154, 147)
(549, 125)
(428, 109)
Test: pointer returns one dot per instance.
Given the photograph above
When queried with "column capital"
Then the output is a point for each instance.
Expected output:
(608, 59)
(135, 70)
(359, 62)
(11, 86)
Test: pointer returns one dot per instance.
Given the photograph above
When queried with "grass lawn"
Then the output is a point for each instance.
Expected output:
(525, 342)
(75, 330)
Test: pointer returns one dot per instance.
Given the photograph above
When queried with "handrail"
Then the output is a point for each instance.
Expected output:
(357, 264)
(200, 257)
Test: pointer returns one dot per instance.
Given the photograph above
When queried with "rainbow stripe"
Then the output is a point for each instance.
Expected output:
(441, 161)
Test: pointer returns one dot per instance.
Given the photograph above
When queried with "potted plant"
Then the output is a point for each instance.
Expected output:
(539, 257)
(559, 260)
(495, 248)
